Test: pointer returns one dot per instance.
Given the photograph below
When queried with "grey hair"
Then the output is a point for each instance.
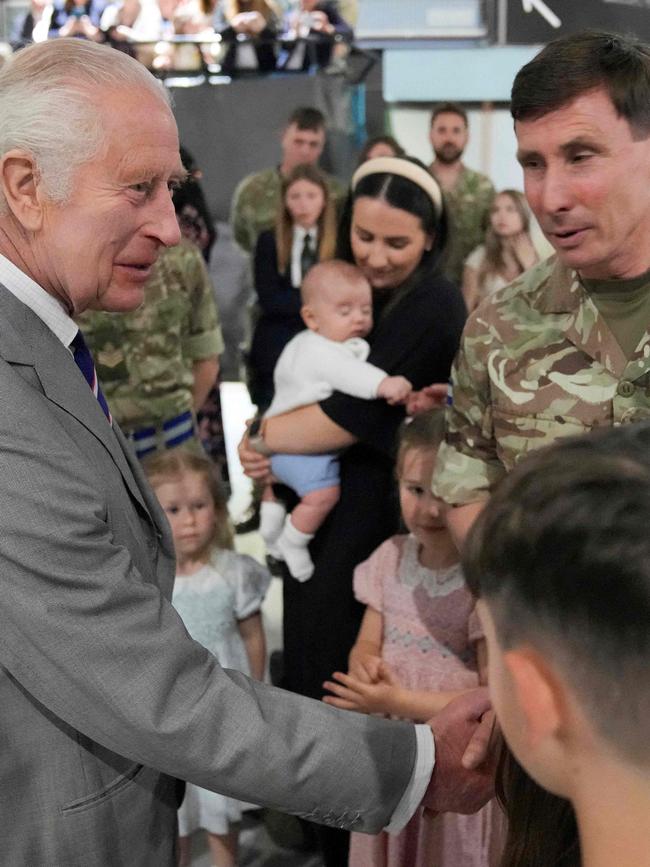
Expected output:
(50, 105)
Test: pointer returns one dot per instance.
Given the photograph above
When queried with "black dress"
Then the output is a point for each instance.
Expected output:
(279, 319)
(417, 339)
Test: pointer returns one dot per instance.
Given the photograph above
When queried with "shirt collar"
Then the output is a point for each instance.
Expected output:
(44, 305)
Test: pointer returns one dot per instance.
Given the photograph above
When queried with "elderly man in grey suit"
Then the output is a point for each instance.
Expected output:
(105, 702)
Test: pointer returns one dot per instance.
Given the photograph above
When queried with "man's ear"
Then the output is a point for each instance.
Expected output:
(539, 692)
(20, 184)
(308, 317)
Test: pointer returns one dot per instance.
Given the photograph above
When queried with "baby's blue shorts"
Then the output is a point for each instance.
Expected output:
(306, 473)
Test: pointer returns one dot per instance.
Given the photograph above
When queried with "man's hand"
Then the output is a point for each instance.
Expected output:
(394, 389)
(454, 787)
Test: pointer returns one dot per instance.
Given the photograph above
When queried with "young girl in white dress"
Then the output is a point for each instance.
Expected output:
(218, 593)
(417, 649)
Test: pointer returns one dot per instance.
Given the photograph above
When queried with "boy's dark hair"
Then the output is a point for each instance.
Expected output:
(562, 555)
(306, 117)
(449, 108)
(573, 65)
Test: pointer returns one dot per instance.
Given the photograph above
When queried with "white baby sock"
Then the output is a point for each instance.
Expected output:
(293, 547)
(272, 515)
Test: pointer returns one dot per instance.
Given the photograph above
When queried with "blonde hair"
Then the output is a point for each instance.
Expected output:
(267, 9)
(326, 222)
(423, 431)
(169, 466)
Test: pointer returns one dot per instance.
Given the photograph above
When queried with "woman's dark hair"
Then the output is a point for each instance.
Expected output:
(388, 140)
(542, 829)
(402, 193)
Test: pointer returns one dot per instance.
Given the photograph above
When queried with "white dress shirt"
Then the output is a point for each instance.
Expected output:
(296, 251)
(49, 309)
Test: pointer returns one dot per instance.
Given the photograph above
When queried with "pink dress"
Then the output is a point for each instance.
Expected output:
(429, 635)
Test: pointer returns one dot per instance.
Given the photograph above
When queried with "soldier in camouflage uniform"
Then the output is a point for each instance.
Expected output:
(256, 200)
(468, 194)
(157, 363)
(566, 347)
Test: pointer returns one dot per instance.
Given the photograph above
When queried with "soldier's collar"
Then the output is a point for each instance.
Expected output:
(564, 291)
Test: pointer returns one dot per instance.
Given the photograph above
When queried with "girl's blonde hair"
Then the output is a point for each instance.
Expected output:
(423, 431)
(268, 9)
(168, 466)
(493, 262)
(326, 222)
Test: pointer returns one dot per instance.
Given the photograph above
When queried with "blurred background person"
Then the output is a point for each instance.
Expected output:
(468, 194)
(80, 19)
(33, 26)
(257, 197)
(309, 33)
(250, 28)
(380, 146)
(506, 253)
(305, 233)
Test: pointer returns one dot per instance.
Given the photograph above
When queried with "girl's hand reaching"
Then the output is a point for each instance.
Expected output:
(350, 693)
(365, 666)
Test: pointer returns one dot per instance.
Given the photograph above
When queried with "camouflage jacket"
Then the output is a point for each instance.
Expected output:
(468, 207)
(256, 201)
(537, 362)
(144, 358)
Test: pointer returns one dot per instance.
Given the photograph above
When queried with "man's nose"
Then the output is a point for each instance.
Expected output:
(555, 191)
(164, 223)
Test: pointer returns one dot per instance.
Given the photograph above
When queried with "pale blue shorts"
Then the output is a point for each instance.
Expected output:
(306, 473)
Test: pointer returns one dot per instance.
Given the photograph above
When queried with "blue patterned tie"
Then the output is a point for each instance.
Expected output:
(84, 361)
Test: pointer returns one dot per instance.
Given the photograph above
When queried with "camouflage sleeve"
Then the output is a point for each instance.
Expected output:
(468, 466)
(240, 219)
(204, 337)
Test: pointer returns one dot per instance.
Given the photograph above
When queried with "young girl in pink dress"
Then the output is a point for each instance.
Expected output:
(416, 650)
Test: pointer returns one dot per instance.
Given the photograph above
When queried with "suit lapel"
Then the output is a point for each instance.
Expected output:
(25, 339)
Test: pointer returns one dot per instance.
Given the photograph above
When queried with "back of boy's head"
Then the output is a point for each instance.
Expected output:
(424, 431)
(561, 555)
(329, 274)
(172, 464)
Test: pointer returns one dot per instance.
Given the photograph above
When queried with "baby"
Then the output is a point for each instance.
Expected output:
(330, 355)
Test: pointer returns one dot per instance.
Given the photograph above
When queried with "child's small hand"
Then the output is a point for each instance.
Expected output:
(394, 389)
(352, 694)
(365, 667)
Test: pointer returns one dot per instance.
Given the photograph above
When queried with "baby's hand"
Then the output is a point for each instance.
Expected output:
(394, 389)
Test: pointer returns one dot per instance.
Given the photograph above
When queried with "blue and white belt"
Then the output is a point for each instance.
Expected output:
(168, 435)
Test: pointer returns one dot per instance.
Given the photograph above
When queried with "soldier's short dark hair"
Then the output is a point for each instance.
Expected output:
(449, 108)
(306, 117)
(573, 65)
(562, 556)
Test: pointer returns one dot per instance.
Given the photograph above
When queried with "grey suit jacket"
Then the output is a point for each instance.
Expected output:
(105, 701)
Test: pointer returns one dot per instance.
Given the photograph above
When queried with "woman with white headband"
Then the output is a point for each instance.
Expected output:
(394, 229)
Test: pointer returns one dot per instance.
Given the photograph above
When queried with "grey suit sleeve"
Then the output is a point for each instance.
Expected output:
(90, 636)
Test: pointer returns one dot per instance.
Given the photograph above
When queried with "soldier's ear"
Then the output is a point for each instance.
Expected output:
(22, 188)
(428, 244)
